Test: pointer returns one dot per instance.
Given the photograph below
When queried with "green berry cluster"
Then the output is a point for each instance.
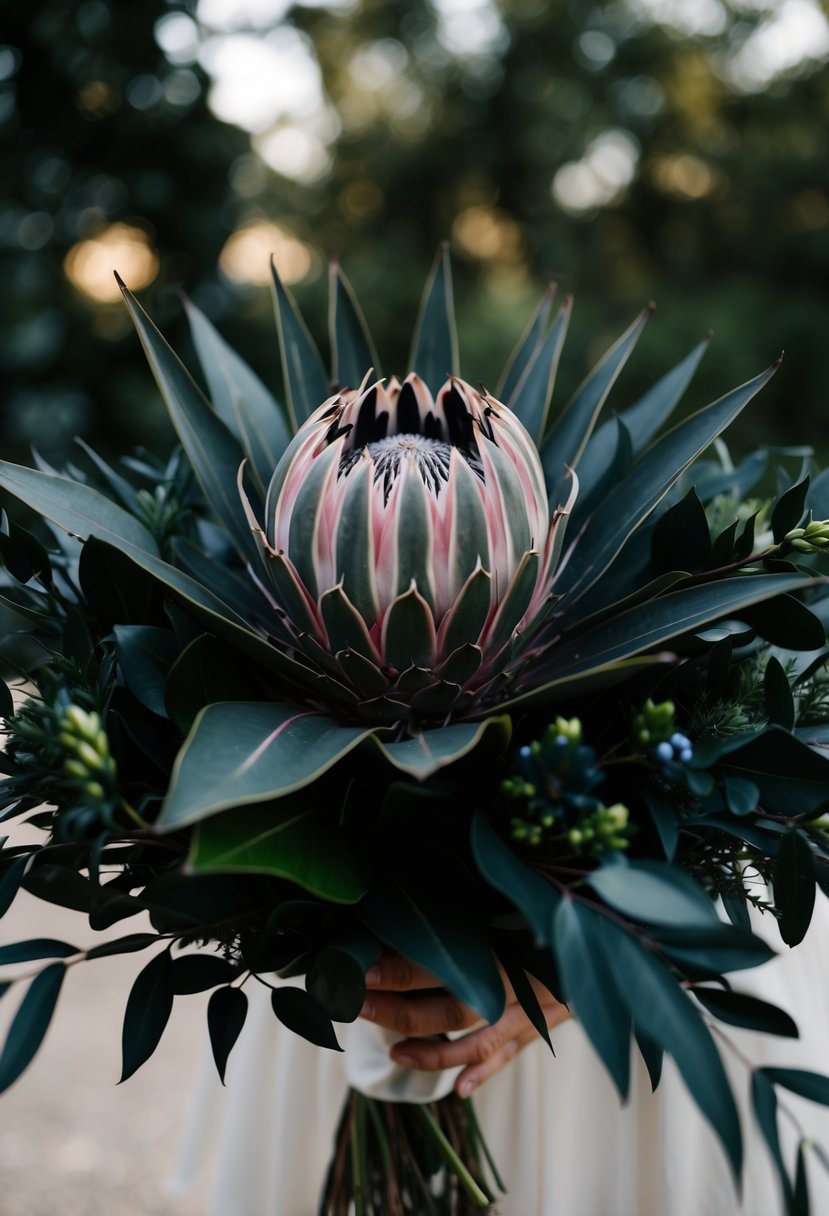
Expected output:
(653, 724)
(554, 779)
(88, 763)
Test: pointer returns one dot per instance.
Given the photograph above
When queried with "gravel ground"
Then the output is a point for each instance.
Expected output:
(73, 1142)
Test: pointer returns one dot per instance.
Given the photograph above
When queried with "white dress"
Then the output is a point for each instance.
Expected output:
(564, 1144)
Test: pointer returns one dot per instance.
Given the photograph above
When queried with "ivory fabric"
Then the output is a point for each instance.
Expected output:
(563, 1142)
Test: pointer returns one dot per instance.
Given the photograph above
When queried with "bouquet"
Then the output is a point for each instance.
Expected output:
(576, 663)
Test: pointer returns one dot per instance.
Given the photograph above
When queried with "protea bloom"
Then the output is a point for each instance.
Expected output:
(408, 542)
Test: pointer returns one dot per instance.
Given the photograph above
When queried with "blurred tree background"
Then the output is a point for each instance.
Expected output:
(668, 149)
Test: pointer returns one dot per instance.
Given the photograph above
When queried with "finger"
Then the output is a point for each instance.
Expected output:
(472, 1078)
(393, 973)
(437, 1013)
(477, 1047)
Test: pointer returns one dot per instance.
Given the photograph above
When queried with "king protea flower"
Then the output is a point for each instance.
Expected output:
(408, 542)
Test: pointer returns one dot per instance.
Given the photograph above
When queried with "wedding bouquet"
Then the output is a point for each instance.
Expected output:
(510, 690)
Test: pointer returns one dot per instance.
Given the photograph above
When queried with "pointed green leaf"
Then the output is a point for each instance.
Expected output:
(740, 1009)
(681, 539)
(145, 655)
(432, 750)
(653, 1057)
(777, 695)
(502, 869)
(789, 509)
(572, 429)
(35, 948)
(198, 972)
(149, 1006)
(650, 625)
(30, 1023)
(243, 752)
(530, 399)
(211, 448)
(240, 398)
(454, 950)
(352, 349)
(813, 1086)
(633, 499)
(297, 1010)
(226, 1013)
(526, 997)
(434, 353)
(717, 950)
(764, 1100)
(590, 987)
(525, 348)
(665, 1013)
(794, 886)
(298, 843)
(641, 420)
(306, 382)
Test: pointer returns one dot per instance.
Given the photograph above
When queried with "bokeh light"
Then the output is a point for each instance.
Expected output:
(89, 264)
(247, 253)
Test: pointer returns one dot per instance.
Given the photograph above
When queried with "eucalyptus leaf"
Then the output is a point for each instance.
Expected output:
(297, 1010)
(149, 1006)
(226, 1013)
(654, 892)
(439, 939)
(794, 886)
(591, 988)
(502, 869)
(740, 1009)
(30, 1023)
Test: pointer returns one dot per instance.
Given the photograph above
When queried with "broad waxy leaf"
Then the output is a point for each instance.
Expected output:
(240, 398)
(204, 672)
(213, 452)
(306, 380)
(226, 1013)
(455, 951)
(717, 950)
(504, 871)
(149, 1006)
(243, 752)
(434, 353)
(665, 1013)
(432, 750)
(591, 988)
(792, 778)
(777, 695)
(297, 843)
(681, 540)
(788, 511)
(30, 1023)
